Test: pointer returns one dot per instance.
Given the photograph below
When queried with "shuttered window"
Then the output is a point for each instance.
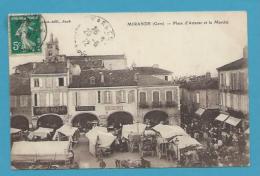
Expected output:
(142, 97)
(156, 96)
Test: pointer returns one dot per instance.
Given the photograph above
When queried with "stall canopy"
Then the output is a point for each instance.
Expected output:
(25, 151)
(200, 111)
(98, 135)
(233, 121)
(247, 131)
(168, 131)
(221, 117)
(41, 132)
(185, 141)
(66, 130)
(137, 128)
(15, 130)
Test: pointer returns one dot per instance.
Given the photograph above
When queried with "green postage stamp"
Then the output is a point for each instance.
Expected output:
(25, 34)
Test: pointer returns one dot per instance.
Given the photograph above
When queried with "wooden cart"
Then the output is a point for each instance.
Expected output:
(162, 147)
(133, 142)
(147, 145)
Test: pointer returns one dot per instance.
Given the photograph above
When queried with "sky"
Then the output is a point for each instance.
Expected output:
(187, 43)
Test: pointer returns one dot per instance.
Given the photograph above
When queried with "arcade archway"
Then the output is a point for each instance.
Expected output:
(84, 121)
(117, 119)
(20, 122)
(156, 117)
(50, 121)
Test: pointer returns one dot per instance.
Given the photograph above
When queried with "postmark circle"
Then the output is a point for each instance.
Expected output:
(92, 33)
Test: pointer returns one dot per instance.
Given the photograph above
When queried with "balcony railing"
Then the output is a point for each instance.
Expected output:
(156, 104)
(171, 104)
(143, 105)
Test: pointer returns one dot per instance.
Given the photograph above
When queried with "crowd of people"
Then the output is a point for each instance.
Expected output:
(223, 145)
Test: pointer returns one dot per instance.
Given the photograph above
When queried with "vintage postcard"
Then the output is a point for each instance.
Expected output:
(128, 90)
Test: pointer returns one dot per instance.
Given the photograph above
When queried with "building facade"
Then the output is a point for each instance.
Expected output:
(233, 90)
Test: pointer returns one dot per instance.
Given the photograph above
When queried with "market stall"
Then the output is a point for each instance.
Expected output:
(132, 133)
(99, 140)
(67, 133)
(41, 152)
(41, 133)
(169, 131)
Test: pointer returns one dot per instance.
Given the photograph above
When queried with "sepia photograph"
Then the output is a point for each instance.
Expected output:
(128, 90)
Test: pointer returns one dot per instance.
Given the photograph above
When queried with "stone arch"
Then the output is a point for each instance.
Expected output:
(50, 121)
(156, 116)
(84, 121)
(20, 122)
(119, 118)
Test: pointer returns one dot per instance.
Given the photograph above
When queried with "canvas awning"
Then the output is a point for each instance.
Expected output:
(25, 151)
(247, 131)
(221, 117)
(41, 132)
(137, 128)
(15, 130)
(233, 121)
(168, 131)
(185, 141)
(67, 130)
(200, 111)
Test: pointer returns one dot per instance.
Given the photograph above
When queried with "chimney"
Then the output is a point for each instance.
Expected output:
(245, 52)
(102, 79)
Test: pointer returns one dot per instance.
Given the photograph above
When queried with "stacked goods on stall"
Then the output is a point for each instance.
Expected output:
(16, 134)
(164, 134)
(41, 134)
(100, 141)
(25, 153)
(67, 133)
(187, 149)
(132, 133)
(148, 143)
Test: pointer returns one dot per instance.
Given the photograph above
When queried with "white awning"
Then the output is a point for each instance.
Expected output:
(221, 117)
(200, 111)
(233, 121)
(15, 130)
(247, 131)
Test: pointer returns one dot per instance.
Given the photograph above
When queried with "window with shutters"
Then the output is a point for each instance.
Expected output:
(56, 99)
(169, 96)
(99, 97)
(92, 80)
(23, 101)
(35, 100)
(61, 82)
(107, 97)
(36, 82)
(143, 98)
(131, 96)
(121, 96)
(156, 96)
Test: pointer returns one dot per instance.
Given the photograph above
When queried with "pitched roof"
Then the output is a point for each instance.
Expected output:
(112, 78)
(97, 57)
(238, 64)
(20, 84)
(211, 83)
(27, 67)
(50, 68)
(149, 80)
(151, 71)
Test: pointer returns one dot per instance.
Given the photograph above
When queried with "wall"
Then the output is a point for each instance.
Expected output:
(102, 110)
(173, 112)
